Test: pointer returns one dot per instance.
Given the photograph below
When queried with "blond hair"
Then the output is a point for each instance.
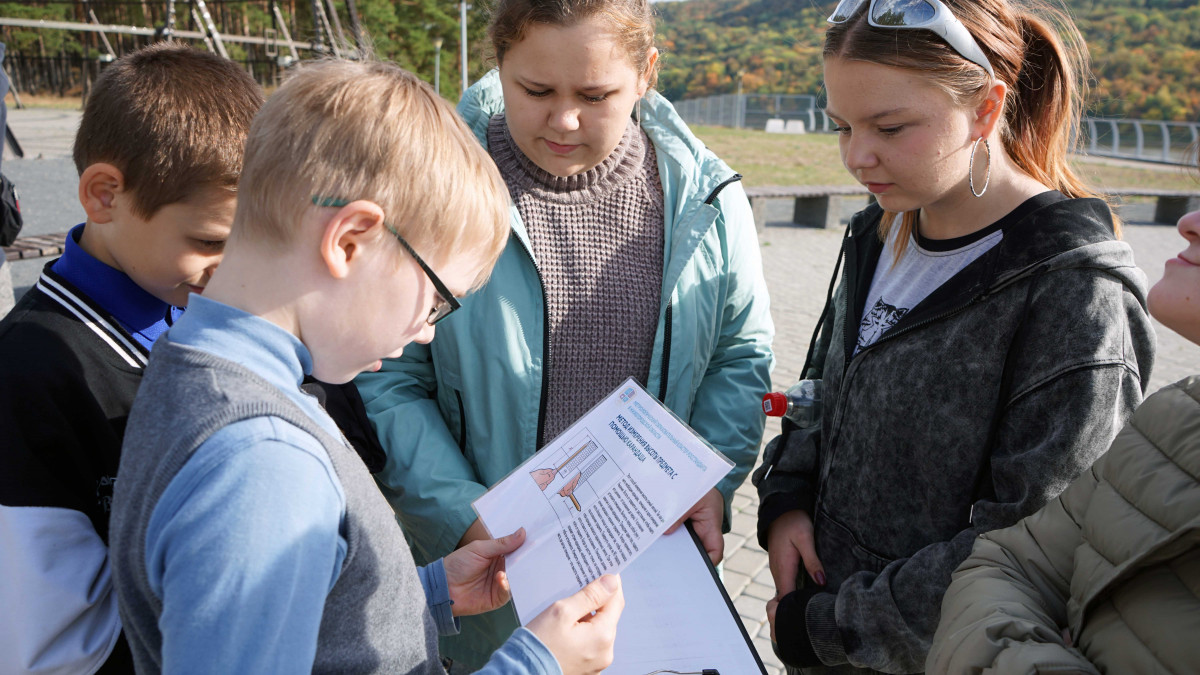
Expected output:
(1034, 48)
(370, 130)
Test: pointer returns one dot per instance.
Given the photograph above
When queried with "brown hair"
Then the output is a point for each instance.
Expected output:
(172, 119)
(369, 130)
(1035, 49)
(631, 20)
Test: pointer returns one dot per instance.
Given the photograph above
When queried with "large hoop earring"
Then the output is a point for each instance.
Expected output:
(971, 167)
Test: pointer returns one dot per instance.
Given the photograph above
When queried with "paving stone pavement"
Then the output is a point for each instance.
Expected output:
(797, 263)
(43, 133)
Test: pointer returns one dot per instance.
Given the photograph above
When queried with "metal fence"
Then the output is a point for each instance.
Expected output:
(1147, 140)
(750, 111)
(72, 74)
(1144, 140)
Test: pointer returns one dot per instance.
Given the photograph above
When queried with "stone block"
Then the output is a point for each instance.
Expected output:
(1169, 210)
(822, 211)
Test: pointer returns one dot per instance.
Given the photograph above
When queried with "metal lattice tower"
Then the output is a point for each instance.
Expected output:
(258, 33)
(206, 24)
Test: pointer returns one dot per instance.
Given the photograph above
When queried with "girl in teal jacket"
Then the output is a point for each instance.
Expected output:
(605, 178)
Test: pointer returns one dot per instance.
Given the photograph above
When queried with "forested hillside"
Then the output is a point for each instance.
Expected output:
(399, 30)
(1145, 53)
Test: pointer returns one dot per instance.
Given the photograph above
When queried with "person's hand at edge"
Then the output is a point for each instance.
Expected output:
(707, 516)
(791, 542)
(475, 574)
(580, 629)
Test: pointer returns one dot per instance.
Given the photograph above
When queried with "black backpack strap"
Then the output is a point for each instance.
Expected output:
(10, 212)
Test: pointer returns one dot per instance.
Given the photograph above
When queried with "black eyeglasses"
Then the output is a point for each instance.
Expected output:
(445, 303)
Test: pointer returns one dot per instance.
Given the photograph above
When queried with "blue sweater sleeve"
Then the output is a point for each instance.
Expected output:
(437, 597)
(522, 653)
(243, 547)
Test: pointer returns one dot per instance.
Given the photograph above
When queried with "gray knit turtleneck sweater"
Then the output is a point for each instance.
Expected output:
(597, 238)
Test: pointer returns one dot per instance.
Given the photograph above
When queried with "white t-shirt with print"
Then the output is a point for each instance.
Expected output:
(925, 265)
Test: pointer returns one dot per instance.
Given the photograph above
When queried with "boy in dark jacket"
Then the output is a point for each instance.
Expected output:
(159, 153)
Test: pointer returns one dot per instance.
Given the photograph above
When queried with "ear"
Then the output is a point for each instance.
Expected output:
(651, 61)
(348, 235)
(990, 111)
(99, 185)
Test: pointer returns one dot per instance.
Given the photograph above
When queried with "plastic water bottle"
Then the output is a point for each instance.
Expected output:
(801, 403)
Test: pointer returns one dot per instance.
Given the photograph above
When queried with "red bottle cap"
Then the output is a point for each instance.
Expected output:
(775, 404)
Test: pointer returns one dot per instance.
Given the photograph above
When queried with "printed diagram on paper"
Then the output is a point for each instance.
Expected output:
(575, 476)
(598, 495)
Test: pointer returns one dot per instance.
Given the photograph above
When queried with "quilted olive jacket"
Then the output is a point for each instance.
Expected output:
(1104, 579)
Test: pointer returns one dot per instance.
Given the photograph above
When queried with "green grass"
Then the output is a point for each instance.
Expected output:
(813, 159)
(778, 159)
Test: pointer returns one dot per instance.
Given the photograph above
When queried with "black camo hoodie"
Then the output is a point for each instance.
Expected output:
(980, 405)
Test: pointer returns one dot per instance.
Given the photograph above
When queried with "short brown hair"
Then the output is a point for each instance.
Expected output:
(631, 20)
(369, 130)
(173, 119)
(1034, 48)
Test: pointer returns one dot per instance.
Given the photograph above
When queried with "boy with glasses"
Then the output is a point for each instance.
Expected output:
(251, 538)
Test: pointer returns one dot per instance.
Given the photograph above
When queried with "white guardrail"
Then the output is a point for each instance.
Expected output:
(1143, 140)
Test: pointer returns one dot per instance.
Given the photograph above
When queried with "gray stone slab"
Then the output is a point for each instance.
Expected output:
(759, 591)
(745, 521)
(752, 609)
(764, 577)
(747, 490)
(747, 562)
(734, 541)
(767, 654)
(735, 582)
(740, 502)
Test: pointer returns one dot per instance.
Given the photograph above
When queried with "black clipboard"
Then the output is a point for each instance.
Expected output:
(643, 654)
(725, 595)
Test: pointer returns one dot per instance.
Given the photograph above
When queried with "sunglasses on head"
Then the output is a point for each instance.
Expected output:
(445, 302)
(928, 14)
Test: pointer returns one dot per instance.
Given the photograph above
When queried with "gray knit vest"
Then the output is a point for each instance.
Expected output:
(375, 617)
(597, 238)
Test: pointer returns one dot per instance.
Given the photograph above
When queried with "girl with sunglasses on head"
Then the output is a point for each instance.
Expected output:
(633, 253)
(987, 338)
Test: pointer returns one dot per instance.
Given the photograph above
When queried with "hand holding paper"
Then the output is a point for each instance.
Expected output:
(707, 516)
(580, 630)
(598, 495)
(475, 574)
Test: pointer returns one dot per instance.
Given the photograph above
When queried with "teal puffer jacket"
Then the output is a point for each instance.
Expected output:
(459, 414)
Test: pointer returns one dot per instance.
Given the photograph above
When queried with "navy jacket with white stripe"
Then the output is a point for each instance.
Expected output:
(68, 375)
